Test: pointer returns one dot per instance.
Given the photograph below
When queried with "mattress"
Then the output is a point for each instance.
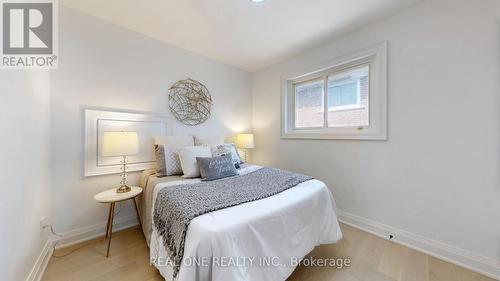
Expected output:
(258, 240)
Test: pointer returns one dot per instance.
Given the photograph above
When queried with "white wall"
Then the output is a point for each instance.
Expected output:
(437, 175)
(24, 137)
(105, 65)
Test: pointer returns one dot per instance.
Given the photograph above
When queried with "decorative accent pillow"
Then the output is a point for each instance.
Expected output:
(227, 148)
(187, 156)
(208, 140)
(213, 168)
(167, 161)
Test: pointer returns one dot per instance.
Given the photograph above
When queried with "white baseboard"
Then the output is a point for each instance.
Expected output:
(452, 254)
(83, 234)
(75, 236)
(41, 262)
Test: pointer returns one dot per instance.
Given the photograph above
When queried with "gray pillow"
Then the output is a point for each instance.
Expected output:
(227, 148)
(212, 168)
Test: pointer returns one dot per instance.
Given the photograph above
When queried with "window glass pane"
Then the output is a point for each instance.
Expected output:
(342, 93)
(348, 98)
(309, 104)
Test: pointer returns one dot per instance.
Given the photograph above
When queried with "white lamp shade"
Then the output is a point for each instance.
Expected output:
(120, 144)
(245, 141)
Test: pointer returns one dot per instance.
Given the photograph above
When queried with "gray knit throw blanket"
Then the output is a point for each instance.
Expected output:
(177, 205)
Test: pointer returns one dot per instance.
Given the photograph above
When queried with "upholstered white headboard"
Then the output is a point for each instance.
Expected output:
(147, 125)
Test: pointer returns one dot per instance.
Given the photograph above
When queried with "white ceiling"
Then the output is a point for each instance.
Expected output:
(248, 35)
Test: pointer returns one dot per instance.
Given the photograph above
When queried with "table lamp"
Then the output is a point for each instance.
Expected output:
(120, 144)
(245, 142)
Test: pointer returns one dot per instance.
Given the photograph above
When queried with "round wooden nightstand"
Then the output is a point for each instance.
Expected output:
(110, 196)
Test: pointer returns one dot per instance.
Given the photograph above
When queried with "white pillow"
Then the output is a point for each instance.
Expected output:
(208, 140)
(175, 141)
(187, 156)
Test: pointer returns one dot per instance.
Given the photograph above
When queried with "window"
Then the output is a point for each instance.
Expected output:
(309, 99)
(343, 94)
(348, 94)
(346, 100)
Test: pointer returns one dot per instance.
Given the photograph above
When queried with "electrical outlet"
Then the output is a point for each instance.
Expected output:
(43, 222)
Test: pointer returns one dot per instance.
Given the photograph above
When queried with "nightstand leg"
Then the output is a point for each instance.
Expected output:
(110, 227)
(137, 212)
(109, 219)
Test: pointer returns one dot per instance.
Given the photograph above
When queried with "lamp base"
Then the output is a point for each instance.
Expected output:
(245, 154)
(123, 189)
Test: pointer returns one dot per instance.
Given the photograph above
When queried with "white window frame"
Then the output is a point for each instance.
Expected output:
(376, 58)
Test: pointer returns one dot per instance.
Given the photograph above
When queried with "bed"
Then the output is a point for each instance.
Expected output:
(258, 240)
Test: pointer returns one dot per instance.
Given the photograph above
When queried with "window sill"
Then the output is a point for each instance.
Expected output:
(332, 137)
(340, 133)
(342, 109)
(345, 108)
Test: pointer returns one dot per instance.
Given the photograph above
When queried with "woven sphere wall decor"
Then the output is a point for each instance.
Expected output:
(190, 102)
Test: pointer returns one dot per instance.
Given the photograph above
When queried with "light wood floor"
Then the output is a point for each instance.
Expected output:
(372, 258)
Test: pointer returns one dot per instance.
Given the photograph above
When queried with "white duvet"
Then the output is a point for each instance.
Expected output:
(259, 240)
